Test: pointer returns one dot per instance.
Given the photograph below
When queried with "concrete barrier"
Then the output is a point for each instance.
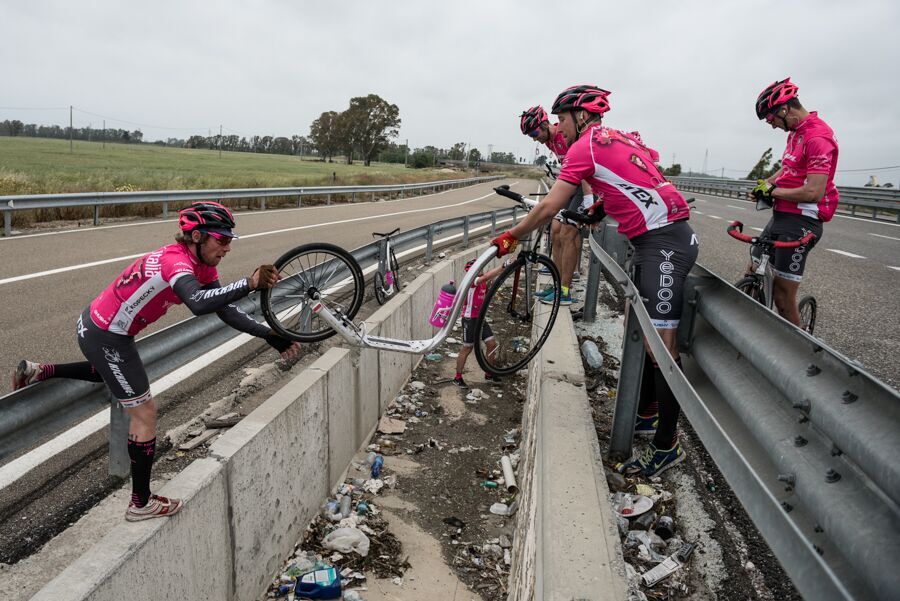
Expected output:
(566, 544)
(249, 501)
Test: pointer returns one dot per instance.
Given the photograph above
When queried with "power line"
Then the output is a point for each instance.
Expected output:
(869, 169)
(140, 124)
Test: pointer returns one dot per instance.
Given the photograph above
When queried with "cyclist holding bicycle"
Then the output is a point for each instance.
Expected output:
(184, 272)
(564, 235)
(802, 193)
(652, 214)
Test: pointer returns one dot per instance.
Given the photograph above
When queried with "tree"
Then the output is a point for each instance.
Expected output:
(503, 157)
(457, 152)
(762, 170)
(674, 170)
(474, 155)
(324, 135)
(368, 125)
(541, 160)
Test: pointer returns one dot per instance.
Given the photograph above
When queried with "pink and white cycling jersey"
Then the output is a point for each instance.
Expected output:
(811, 148)
(474, 300)
(622, 174)
(143, 292)
(557, 144)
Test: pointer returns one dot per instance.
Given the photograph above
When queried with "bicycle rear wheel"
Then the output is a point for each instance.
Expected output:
(752, 286)
(379, 288)
(808, 309)
(519, 322)
(311, 274)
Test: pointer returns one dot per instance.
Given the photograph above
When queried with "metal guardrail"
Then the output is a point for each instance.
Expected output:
(33, 413)
(10, 204)
(806, 438)
(874, 199)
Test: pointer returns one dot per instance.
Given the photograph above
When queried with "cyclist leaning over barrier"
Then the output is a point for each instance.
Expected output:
(564, 235)
(184, 272)
(802, 193)
(652, 214)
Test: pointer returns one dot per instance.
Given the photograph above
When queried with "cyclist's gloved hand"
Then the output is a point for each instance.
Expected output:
(505, 243)
(763, 193)
(277, 342)
(264, 277)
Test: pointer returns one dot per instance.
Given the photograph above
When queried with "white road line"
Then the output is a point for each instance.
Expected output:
(714, 217)
(867, 220)
(845, 253)
(699, 212)
(881, 236)
(758, 229)
(20, 466)
(738, 208)
(29, 276)
(894, 268)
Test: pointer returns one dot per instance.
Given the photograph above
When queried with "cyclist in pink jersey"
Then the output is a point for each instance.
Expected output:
(564, 235)
(184, 272)
(622, 173)
(802, 193)
(470, 312)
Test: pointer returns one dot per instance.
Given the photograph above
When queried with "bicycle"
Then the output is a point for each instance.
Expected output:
(758, 285)
(386, 282)
(321, 289)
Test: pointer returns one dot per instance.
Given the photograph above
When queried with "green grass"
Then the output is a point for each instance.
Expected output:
(44, 166)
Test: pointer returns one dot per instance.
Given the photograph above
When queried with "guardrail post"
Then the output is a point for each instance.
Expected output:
(119, 462)
(515, 214)
(328, 199)
(353, 197)
(628, 391)
(96, 215)
(165, 209)
(262, 204)
(429, 243)
(592, 291)
(7, 223)
(382, 255)
(373, 197)
(493, 222)
(299, 200)
(466, 231)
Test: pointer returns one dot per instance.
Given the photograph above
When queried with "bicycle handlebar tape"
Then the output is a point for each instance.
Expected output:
(505, 243)
(505, 191)
(804, 241)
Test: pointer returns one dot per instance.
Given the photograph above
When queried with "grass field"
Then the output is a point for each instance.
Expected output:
(44, 166)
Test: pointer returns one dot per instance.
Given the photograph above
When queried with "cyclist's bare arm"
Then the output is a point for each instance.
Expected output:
(812, 191)
(771, 179)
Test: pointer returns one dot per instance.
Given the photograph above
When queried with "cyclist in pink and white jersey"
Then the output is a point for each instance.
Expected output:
(184, 272)
(802, 193)
(621, 172)
(564, 235)
(470, 312)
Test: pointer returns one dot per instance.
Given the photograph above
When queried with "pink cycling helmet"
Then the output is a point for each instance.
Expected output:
(207, 216)
(587, 98)
(775, 95)
(532, 119)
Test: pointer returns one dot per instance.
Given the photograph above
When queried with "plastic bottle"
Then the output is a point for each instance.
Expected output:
(345, 506)
(441, 310)
(377, 465)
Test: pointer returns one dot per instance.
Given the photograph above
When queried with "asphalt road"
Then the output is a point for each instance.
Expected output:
(47, 279)
(854, 273)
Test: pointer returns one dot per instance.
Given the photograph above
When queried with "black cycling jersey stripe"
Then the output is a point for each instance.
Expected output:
(210, 298)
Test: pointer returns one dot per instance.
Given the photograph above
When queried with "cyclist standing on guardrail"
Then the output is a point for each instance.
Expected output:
(564, 235)
(653, 215)
(802, 193)
(184, 272)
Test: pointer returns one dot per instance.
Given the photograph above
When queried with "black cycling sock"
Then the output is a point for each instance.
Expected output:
(141, 454)
(75, 371)
(647, 405)
(667, 431)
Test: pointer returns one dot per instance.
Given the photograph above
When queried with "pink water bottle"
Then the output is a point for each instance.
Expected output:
(441, 310)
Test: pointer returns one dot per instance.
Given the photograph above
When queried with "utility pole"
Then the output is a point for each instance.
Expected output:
(104, 134)
(220, 140)
(723, 172)
(490, 155)
(70, 130)
(406, 159)
(705, 161)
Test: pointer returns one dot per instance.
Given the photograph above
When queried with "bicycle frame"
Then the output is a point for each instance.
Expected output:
(763, 268)
(384, 268)
(356, 334)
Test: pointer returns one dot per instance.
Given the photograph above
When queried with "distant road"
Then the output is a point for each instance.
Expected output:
(854, 273)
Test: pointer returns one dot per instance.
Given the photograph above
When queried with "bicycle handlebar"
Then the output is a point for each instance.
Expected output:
(735, 230)
(505, 191)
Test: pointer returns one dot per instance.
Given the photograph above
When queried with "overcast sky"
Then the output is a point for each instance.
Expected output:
(685, 74)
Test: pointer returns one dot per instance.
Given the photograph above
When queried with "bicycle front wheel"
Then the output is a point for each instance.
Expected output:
(310, 274)
(514, 320)
(808, 309)
(753, 287)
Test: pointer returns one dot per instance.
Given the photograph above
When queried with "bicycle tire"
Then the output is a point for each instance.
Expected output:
(511, 356)
(319, 267)
(808, 309)
(378, 286)
(752, 286)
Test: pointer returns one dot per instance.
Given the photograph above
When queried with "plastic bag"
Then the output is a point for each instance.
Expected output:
(345, 540)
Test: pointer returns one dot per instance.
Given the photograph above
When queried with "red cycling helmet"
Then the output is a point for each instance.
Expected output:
(532, 119)
(469, 264)
(207, 216)
(587, 98)
(775, 95)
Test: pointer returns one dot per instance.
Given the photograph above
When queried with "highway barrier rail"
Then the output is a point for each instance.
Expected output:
(97, 200)
(876, 200)
(805, 437)
(36, 412)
